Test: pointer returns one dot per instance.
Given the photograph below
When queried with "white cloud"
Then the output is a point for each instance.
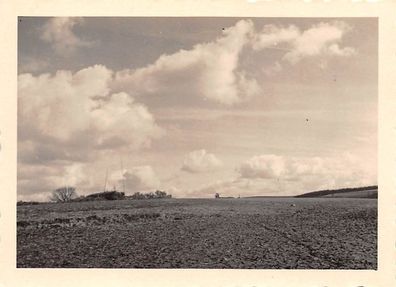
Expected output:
(312, 172)
(74, 174)
(322, 39)
(58, 31)
(272, 36)
(121, 120)
(336, 50)
(274, 166)
(70, 107)
(75, 117)
(69, 118)
(36, 182)
(207, 71)
(264, 166)
(200, 161)
(280, 175)
(139, 178)
(212, 71)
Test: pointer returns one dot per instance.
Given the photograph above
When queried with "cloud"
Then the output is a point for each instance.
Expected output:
(72, 109)
(60, 105)
(121, 120)
(271, 174)
(208, 71)
(75, 117)
(58, 31)
(36, 182)
(274, 166)
(264, 166)
(313, 172)
(200, 161)
(213, 71)
(138, 179)
(273, 36)
(322, 39)
(68, 119)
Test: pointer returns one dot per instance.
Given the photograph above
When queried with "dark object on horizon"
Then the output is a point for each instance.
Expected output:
(106, 195)
(329, 192)
(217, 195)
(63, 194)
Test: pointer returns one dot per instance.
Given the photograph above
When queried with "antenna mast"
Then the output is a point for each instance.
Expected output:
(123, 179)
(107, 171)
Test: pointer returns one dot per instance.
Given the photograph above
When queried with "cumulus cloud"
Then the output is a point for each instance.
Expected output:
(274, 174)
(36, 182)
(121, 120)
(138, 178)
(322, 39)
(347, 170)
(68, 107)
(70, 118)
(58, 31)
(274, 166)
(273, 36)
(207, 71)
(200, 161)
(212, 71)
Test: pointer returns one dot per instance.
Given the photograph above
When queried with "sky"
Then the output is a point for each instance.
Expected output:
(195, 106)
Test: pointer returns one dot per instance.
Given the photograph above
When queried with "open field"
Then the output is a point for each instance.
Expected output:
(325, 233)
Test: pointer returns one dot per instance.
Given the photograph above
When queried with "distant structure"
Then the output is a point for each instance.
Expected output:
(217, 195)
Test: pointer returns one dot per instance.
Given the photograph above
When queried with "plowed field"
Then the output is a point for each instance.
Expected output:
(264, 233)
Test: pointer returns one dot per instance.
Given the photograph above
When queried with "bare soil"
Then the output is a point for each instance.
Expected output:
(265, 233)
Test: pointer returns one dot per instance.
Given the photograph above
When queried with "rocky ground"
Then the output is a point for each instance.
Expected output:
(265, 233)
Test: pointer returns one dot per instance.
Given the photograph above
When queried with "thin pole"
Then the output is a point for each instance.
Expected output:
(104, 189)
(123, 179)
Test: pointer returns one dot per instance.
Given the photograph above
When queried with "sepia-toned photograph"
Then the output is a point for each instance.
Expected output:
(197, 142)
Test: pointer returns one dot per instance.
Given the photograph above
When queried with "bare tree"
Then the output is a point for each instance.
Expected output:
(63, 194)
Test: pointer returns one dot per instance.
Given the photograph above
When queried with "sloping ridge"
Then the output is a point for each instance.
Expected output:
(357, 192)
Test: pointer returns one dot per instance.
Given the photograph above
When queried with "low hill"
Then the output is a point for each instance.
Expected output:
(358, 192)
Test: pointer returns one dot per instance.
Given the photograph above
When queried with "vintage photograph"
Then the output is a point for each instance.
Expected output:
(197, 142)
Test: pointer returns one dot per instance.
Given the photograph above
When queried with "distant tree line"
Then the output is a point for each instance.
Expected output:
(150, 195)
(69, 194)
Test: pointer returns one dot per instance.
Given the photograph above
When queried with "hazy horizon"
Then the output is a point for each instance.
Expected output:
(194, 106)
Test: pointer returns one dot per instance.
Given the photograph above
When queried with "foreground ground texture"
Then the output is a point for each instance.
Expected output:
(260, 233)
